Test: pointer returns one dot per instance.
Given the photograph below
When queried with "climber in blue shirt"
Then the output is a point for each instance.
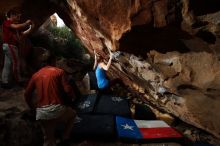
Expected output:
(100, 71)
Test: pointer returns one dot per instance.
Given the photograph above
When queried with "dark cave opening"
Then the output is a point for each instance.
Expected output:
(203, 7)
(206, 36)
(143, 39)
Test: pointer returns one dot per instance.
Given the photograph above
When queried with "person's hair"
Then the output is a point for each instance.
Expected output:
(48, 58)
(51, 59)
(13, 11)
(100, 59)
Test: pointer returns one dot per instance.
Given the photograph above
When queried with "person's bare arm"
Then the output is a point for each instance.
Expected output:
(67, 88)
(21, 25)
(95, 62)
(106, 66)
(28, 31)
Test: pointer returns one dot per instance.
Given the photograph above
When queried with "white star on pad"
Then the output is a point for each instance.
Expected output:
(126, 126)
(84, 105)
(117, 99)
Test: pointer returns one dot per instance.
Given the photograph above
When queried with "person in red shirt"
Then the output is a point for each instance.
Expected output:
(49, 84)
(12, 29)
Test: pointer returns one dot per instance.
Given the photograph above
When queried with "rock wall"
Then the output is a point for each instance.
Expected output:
(177, 43)
(185, 85)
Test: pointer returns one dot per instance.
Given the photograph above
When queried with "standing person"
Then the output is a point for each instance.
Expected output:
(49, 84)
(11, 31)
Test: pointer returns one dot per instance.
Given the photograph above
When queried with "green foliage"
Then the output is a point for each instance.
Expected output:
(63, 32)
(69, 45)
(61, 40)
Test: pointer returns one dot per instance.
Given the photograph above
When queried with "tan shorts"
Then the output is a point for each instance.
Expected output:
(50, 112)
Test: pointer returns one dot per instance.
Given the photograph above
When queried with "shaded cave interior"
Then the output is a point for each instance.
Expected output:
(141, 39)
(203, 7)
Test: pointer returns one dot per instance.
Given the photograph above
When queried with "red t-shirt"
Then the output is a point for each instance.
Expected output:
(9, 34)
(48, 82)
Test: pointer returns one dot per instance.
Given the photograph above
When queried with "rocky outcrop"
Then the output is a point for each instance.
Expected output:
(102, 24)
(181, 76)
(186, 85)
(188, 80)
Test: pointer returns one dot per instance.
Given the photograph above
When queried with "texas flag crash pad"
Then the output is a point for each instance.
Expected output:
(145, 130)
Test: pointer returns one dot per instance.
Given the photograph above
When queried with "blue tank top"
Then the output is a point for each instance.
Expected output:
(102, 81)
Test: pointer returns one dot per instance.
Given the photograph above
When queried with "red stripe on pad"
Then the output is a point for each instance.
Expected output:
(164, 132)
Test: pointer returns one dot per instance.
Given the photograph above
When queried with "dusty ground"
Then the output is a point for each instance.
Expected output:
(12, 99)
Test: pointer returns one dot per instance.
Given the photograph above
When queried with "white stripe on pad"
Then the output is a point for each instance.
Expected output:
(150, 123)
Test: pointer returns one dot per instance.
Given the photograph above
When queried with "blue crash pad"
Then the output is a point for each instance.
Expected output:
(99, 127)
(113, 105)
(86, 104)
